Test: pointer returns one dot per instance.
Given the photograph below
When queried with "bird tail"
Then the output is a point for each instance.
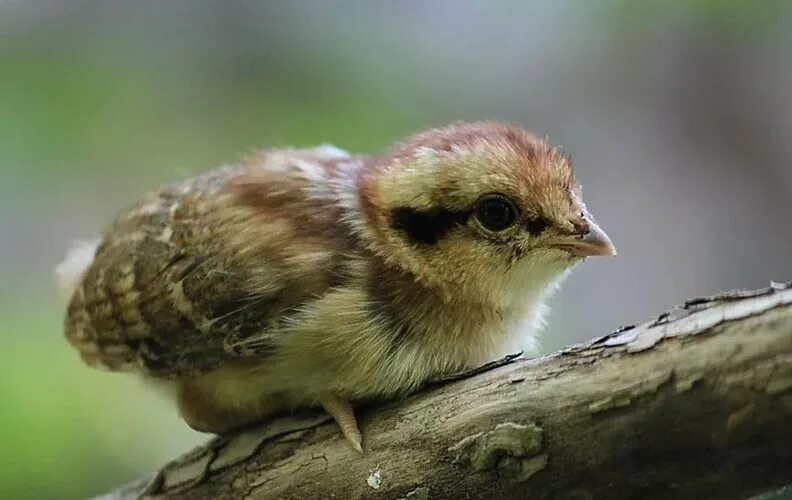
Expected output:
(69, 272)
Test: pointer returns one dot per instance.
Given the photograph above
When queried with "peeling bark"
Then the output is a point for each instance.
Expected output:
(694, 404)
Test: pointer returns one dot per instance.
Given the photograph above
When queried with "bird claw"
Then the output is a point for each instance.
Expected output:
(475, 371)
(343, 413)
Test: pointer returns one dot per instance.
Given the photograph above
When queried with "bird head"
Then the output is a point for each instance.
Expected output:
(479, 208)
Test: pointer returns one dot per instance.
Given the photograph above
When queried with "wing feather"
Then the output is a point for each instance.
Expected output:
(182, 277)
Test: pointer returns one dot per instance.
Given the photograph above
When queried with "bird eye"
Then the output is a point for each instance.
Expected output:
(496, 213)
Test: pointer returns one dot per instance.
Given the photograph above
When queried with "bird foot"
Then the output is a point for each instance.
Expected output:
(343, 413)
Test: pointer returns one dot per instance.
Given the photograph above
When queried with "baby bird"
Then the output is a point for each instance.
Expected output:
(312, 277)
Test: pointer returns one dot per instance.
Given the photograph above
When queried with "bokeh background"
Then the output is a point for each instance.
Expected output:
(678, 116)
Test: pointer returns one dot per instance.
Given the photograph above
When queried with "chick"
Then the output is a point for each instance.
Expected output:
(312, 277)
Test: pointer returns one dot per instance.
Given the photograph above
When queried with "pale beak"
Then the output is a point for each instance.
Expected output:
(593, 243)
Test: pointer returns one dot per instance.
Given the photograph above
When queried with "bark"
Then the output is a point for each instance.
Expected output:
(696, 403)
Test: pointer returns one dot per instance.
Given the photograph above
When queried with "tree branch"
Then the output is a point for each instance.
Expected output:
(694, 404)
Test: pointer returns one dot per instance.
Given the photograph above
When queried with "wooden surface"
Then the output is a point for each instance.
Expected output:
(694, 404)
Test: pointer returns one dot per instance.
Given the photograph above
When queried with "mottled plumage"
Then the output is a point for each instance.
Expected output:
(311, 276)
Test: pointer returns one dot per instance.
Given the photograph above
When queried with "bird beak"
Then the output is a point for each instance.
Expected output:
(593, 243)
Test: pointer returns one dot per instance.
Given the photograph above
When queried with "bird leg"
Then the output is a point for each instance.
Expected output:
(340, 409)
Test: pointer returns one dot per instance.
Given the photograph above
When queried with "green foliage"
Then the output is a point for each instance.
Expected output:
(60, 422)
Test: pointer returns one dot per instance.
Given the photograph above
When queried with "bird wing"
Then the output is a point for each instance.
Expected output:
(196, 274)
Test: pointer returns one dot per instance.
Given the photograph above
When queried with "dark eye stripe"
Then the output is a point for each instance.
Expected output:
(428, 226)
(537, 225)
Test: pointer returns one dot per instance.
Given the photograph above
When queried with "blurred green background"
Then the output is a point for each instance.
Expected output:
(678, 116)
